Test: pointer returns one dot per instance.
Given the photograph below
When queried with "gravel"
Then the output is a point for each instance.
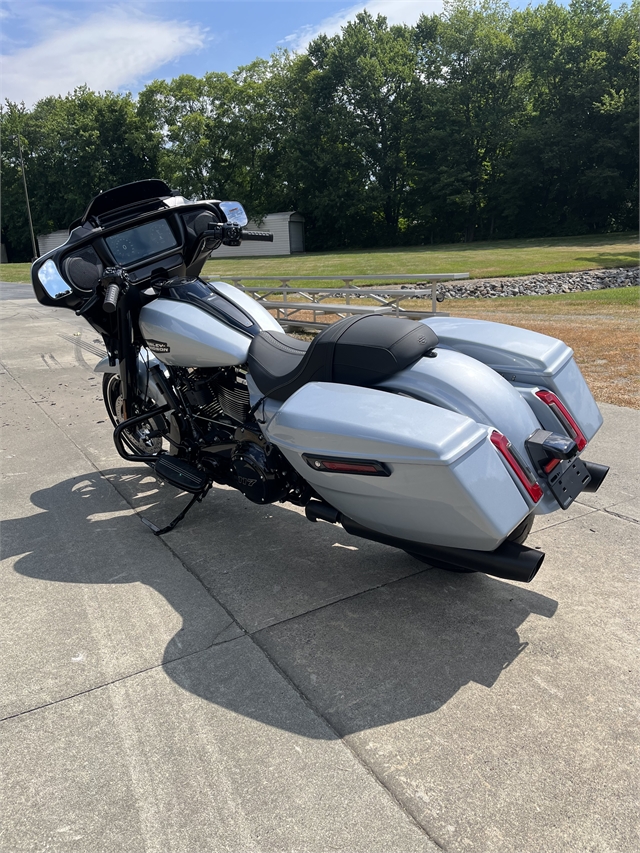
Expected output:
(537, 285)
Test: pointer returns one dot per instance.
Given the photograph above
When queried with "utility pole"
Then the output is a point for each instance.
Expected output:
(36, 254)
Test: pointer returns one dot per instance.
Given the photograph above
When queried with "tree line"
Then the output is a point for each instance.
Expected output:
(483, 122)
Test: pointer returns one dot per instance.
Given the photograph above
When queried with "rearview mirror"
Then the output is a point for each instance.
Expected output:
(52, 281)
(234, 212)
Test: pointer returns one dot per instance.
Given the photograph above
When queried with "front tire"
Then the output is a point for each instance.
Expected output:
(138, 438)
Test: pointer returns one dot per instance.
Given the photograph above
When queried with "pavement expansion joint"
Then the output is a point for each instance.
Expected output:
(161, 665)
(124, 497)
(340, 600)
(562, 521)
(620, 515)
(356, 755)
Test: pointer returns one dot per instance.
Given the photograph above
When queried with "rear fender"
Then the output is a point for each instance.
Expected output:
(462, 384)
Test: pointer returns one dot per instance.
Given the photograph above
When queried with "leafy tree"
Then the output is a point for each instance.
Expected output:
(220, 133)
(481, 122)
(348, 145)
(73, 147)
(467, 116)
(574, 167)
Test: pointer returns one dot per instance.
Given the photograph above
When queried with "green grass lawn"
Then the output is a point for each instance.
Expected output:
(480, 260)
(16, 273)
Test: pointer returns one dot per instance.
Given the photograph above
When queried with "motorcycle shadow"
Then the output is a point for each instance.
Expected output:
(367, 653)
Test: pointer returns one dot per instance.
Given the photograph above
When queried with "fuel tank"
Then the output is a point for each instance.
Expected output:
(200, 324)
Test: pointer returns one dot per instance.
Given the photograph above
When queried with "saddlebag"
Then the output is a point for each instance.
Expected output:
(404, 467)
(527, 360)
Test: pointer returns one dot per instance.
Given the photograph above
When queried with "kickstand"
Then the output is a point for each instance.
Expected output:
(158, 531)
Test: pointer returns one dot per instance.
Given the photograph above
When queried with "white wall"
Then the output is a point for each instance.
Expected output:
(49, 242)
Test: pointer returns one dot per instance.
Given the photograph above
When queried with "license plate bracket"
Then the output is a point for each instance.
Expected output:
(567, 480)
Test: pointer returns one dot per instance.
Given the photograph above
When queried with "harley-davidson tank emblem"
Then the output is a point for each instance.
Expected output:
(159, 346)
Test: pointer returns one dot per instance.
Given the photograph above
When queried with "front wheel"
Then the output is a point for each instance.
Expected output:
(141, 438)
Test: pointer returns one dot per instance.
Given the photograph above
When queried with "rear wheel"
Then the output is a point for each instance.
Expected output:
(518, 535)
(522, 530)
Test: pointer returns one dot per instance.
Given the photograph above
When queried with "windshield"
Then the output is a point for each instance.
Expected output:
(142, 242)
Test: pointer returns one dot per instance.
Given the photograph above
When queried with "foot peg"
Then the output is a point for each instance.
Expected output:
(181, 474)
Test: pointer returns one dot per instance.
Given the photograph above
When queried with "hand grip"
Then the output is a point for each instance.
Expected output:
(111, 299)
(258, 236)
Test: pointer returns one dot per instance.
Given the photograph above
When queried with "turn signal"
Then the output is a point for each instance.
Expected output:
(564, 416)
(522, 472)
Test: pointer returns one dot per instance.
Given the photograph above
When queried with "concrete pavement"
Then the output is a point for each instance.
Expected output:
(252, 682)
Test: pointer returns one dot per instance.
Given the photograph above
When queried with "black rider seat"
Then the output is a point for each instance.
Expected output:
(360, 350)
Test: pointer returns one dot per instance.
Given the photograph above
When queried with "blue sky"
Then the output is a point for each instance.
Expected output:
(48, 48)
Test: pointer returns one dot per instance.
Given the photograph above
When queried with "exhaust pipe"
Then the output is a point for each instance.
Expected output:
(598, 473)
(321, 511)
(510, 561)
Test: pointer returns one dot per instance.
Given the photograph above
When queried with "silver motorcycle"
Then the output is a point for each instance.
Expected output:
(444, 437)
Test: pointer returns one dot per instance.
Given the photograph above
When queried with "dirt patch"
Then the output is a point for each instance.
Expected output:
(607, 353)
(607, 348)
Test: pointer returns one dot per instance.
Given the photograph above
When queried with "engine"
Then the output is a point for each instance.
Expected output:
(216, 394)
(238, 453)
(262, 473)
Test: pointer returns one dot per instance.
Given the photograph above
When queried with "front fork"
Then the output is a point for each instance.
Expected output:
(127, 353)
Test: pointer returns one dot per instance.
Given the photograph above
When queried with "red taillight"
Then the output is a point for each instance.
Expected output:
(564, 416)
(348, 467)
(370, 467)
(524, 475)
(549, 466)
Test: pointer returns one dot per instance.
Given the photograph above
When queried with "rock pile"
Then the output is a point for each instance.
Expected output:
(537, 285)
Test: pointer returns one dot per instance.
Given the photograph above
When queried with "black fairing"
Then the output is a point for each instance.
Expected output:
(355, 351)
(125, 195)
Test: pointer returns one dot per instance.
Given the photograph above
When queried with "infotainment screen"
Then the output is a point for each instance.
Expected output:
(142, 242)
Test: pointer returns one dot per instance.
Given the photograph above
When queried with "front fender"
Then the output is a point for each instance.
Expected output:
(146, 361)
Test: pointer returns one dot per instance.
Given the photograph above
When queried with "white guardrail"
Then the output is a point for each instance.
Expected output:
(313, 299)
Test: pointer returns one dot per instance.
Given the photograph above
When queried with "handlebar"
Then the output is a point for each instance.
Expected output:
(111, 299)
(114, 280)
(233, 235)
(258, 236)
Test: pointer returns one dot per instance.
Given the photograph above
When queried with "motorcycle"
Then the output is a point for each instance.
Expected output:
(443, 437)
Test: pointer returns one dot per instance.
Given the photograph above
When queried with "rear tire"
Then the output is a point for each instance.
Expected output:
(522, 530)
